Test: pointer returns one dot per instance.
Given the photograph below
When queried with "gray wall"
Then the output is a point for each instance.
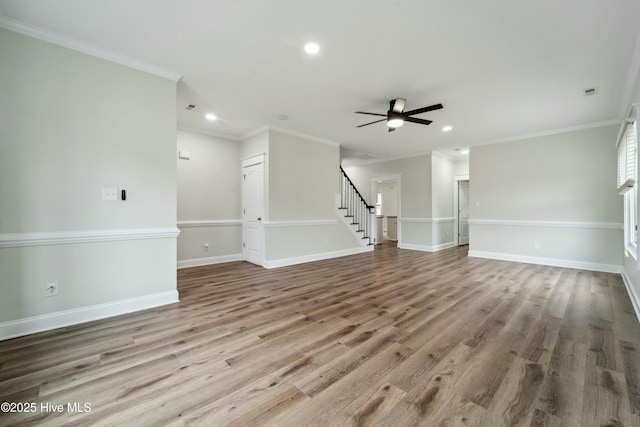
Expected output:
(557, 191)
(442, 171)
(209, 199)
(303, 182)
(415, 224)
(73, 125)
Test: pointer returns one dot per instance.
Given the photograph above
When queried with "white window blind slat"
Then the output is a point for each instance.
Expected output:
(627, 153)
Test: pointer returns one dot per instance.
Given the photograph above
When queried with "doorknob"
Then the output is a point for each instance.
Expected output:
(259, 218)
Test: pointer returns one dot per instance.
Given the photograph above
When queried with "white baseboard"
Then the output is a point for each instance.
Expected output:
(196, 262)
(315, 257)
(633, 296)
(554, 262)
(60, 319)
(425, 248)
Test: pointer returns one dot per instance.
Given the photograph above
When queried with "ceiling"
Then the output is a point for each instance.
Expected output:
(501, 68)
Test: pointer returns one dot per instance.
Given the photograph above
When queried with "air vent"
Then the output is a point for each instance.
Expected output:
(590, 91)
(190, 107)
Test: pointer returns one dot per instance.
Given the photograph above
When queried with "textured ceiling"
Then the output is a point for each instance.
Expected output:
(501, 68)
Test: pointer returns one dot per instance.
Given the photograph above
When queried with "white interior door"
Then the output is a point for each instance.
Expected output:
(463, 212)
(252, 211)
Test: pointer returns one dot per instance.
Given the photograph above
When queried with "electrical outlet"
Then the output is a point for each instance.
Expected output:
(536, 245)
(52, 289)
(206, 246)
(109, 194)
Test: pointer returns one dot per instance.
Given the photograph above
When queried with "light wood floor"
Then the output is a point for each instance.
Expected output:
(389, 338)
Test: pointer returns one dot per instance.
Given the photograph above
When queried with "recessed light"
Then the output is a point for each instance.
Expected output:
(190, 107)
(447, 129)
(210, 116)
(282, 117)
(312, 48)
(465, 151)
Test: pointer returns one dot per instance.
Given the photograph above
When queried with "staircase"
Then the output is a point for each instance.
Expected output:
(356, 210)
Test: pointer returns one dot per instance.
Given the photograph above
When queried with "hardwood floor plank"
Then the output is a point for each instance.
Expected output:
(631, 362)
(392, 337)
(563, 386)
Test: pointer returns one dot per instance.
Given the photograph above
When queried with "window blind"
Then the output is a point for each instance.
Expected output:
(627, 152)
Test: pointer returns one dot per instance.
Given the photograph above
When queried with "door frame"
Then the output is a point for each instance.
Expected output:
(246, 162)
(393, 177)
(456, 213)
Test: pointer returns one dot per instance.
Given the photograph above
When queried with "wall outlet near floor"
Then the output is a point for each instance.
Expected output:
(206, 246)
(52, 289)
(536, 245)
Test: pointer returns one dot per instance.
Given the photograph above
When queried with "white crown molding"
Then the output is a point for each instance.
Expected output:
(197, 262)
(554, 262)
(284, 262)
(207, 132)
(209, 223)
(427, 220)
(16, 240)
(251, 134)
(73, 44)
(303, 135)
(267, 128)
(557, 224)
(549, 132)
(60, 319)
(301, 223)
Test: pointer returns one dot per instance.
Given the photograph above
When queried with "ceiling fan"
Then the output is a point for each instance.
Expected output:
(396, 116)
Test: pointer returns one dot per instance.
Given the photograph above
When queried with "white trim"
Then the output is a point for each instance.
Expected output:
(562, 224)
(554, 262)
(267, 128)
(550, 132)
(196, 262)
(633, 296)
(425, 248)
(302, 223)
(284, 262)
(15, 240)
(60, 319)
(428, 220)
(209, 223)
(253, 159)
(255, 132)
(207, 132)
(79, 46)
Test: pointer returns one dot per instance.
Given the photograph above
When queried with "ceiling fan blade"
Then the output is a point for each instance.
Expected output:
(367, 124)
(397, 105)
(423, 109)
(421, 121)
(371, 114)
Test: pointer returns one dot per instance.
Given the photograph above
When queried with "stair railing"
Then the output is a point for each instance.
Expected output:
(361, 214)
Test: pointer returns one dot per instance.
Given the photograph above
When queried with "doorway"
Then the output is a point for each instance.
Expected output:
(461, 209)
(253, 210)
(385, 191)
(463, 213)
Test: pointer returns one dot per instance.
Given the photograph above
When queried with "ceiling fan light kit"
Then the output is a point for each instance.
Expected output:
(396, 116)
